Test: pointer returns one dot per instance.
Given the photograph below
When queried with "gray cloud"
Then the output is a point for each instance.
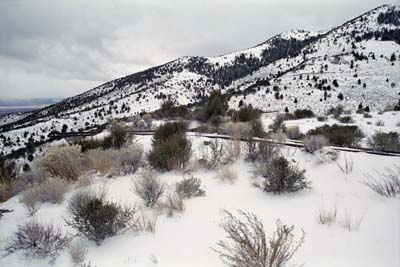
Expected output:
(60, 48)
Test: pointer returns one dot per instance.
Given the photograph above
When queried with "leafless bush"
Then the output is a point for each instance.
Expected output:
(102, 161)
(213, 154)
(148, 187)
(238, 129)
(26, 180)
(233, 150)
(130, 158)
(38, 241)
(78, 251)
(173, 203)
(52, 190)
(248, 245)
(347, 166)
(350, 223)
(326, 217)
(386, 184)
(31, 201)
(63, 162)
(380, 123)
(226, 175)
(189, 187)
(314, 143)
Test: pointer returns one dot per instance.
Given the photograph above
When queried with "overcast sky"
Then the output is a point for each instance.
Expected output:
(55, 48)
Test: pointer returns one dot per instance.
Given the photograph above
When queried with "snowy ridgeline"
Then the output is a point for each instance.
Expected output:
(186, 238)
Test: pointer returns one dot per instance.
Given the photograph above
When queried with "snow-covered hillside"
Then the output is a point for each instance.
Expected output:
(187, 238)
(357, 62)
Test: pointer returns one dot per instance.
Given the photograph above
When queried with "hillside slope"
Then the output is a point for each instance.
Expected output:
(358, 60)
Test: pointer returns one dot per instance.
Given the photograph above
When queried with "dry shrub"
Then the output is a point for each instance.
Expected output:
(96, 218)
(214, 154)
(248, 246)
(226, 175)
(347, 166)
(52, 190)
(261, 151)
(238, 129)
(62, 162)
(351, 224)
(386, 184)
(293, 132)
(314, 142)
(78, 251)
(31, 201)
(172, 204)
(326, 217)
(148, 187)
(101, 160)
(38, 241)
(130, 158)
(189, 187)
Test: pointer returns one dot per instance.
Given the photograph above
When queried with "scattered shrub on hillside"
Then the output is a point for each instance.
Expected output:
(260, 151)
(148, 187)
(346, 119)
(96, 218)
(26, 180)
(380, 123)
(281, 176)
(173, 203)
(167, 130)
(189, 187)
(367, 115)
(213, 154)
(313, 143)
(226, 175)
(216, 106)
(78, 251)
(248, 246)
(246, 114)
(322, 118)
(38, 241)
(257, 129)
(279, 136)
(52, 190)
(338, 135)
(279, 119)
(171, 154)
(88, 144)
(293, 132)
(7, 177)
(237, 129)
(171, 148)
(130, 158)
(386, 184)
(62, 162)
(336, 111)
(170, 110)
(30, 199)
(119, 135)
(303, 113)
(385, 141)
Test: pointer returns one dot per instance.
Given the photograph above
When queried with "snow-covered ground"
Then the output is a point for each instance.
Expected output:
(186, 239)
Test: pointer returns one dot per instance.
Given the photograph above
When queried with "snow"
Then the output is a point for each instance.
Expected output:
(186, 239)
